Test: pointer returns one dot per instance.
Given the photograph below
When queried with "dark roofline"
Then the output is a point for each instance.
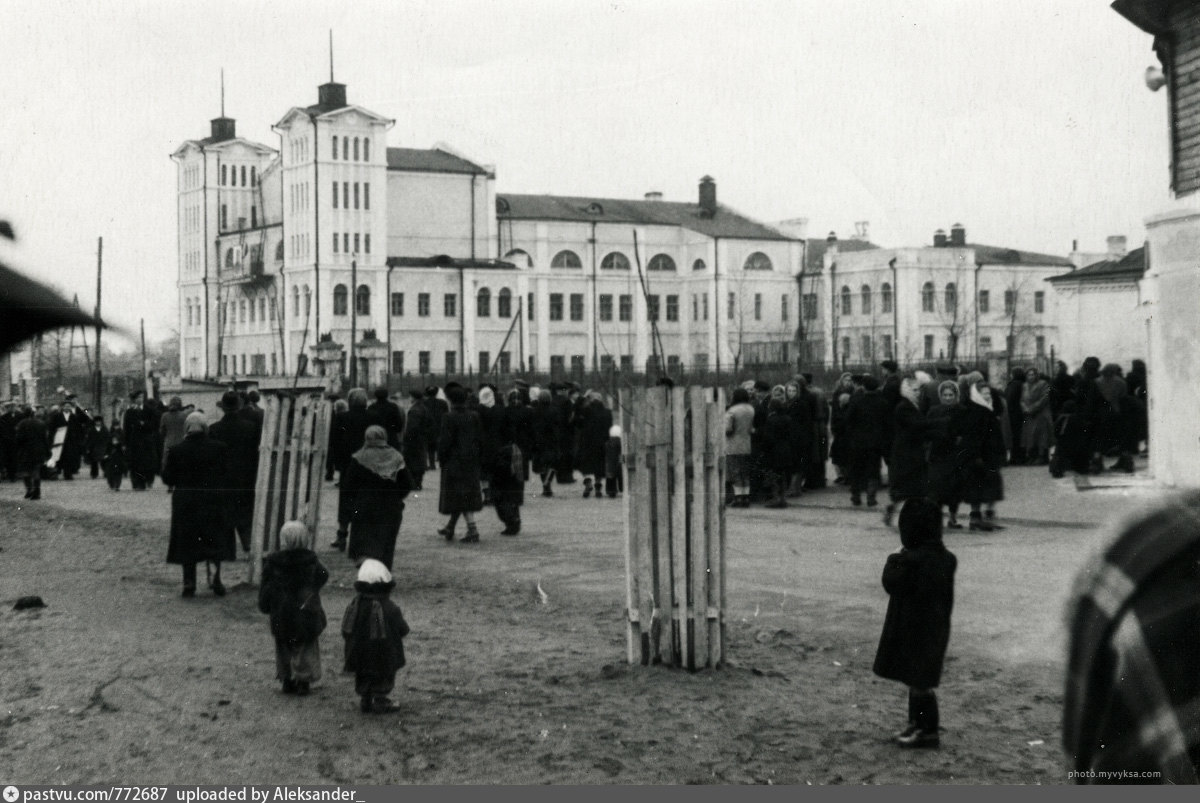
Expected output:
(1130, 266)
(443, 261)
(1152, 16)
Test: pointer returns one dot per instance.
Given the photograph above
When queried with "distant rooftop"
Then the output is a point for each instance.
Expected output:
(991, 254)
(814, 260)
(1130, 266)
(432, 160)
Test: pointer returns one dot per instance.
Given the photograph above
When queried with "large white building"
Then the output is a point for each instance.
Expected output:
(288, 256)
(1100, 308)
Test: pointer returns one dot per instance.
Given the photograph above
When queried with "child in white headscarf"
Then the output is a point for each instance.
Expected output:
(291, 594)
(374, 630)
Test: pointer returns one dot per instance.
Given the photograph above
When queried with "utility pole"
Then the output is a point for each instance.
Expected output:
(98, 387)
(353, 304)
(145, 362)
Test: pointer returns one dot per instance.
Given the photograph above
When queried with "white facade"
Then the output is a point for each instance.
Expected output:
(1101, 312)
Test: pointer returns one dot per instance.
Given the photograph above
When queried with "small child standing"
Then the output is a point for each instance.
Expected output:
(374, 630)
(614, 482)
(920, 580)
(113, 461)
(291, 593)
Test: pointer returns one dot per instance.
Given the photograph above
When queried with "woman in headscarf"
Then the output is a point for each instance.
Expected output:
(839, 447)
(799, 408)
(980, 456)
(290, 592)
(594, 421)
(945, 479)
(778, 460)
(908, 471)
(460, 454)
(739, 426)
(373, 490)
(496, 434)
(1037, 436)
(545, 439)
(201, 525)
(349, 429)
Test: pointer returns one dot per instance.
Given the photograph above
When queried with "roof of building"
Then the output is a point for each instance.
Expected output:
(1130, 266)
(725, 223)
(814, 260)
(991, 255)
(1152, 16)
(444, 261)
(433, 160)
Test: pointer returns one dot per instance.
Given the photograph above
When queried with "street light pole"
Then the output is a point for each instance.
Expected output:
(353, 320)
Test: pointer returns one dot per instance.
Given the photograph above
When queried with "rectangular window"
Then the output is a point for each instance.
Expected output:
(356, 195)
(606, 362)
(673, 364)
(356, 244)
(1010, 301)
(626, 362)
(532, 360)
(345, 195)
(577, 364)
(397, 304)
(485, 358)
(704, 304)
(866, 347)
(272, 310)
(346, 242)
(758, 306)
(700, 361)
(366, 195)
(423, 308)
(672, 308)
(985, 345)
(1008, 344)
(335, 195)
(423, 362)
(397, 362)
(450, 305)
(783, 309)
(367, 243)
(652, 308)
(1039, 302)
(274, 364)
(695, 307)
(731, 312)
(577, 306)
(334, 149)
(529, 315)
(985, 301)
(887, 347)
(558, 365)
(625, 308)
(929, 347)
(451, 362)
(1040, 343)
(556, 306)
(810, 306)
(335, 242)
(606, 308)
(505, 362)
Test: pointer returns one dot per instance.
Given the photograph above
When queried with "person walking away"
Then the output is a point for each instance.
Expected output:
(614, 463)
(8, 441)
(351, 430)
(778, 458)
(389, 415)
(170, 426)
(799, 409)
(508, 486)
(739, 432)
(981, 454)
(945, 476)
(1013, 393)
(460, 453)
(1135, 382)
(95, 445)
(868, 428)
(373, 487)
(1037, 436)
(373, 630)
(908, 470)
(141, 431)
(520, 423)
(412, 442)
(241, 438)
(594, 421)
(251, 411)
(1089, 406)
(1062, 388)
(290, 592)
(545, 440)
(815, 476)
(1115, 435)
(438, 407)
(333, 458)
(839, 446)
(1071, 450)
(115, 464)
(200, 529)
(919, 580)
(32, 451)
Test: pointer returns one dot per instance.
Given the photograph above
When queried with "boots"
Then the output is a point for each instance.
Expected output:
(587, 487)
(472, 536)
(872, 489)
(977, 523)
(889, 513)
(339, 543)
(925, 724)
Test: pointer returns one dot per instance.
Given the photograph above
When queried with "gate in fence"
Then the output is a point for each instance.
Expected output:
(291, 467)
(674, 445)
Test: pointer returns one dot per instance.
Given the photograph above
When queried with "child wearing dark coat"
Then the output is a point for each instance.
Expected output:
(614, 482)
(374, 631)
(919, 577)
(291, 593)
(113, 461)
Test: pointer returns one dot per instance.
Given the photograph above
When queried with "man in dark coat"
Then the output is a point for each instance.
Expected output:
(32, 450)
(437, 411)
(594, 421)
(240, 437)
(350, 427)
(251, 411)
(140, 426)
(95, 445)
(8, 441)
(564, 401)
(200, 529)
(413, 443)
(76, 424)
(460, 453)
(814, 477)
(919, 579)
(388, 415)
(868, 430)
(1016, 416)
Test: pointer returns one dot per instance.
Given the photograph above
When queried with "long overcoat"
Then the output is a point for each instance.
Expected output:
(140, 426)
(291, 578)
(908, 470)
(980, 455)
(916, 629)
(595, 420)
(460, 455)
(30, 443)
(200, 528)
(945, 474)
(376, 506)
(545, 436)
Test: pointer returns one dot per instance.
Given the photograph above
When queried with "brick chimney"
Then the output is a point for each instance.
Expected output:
(708, 195)
(1116, 247)
(223, 128)
(939, 238)
(654, 195)
(958, 235)
(331, 96)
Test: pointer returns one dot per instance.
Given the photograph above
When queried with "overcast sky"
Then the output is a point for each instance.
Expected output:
(1026, 120)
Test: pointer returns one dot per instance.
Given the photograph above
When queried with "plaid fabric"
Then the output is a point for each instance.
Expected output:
(1132, 705)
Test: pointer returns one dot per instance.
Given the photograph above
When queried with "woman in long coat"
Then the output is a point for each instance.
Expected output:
(800, 409)
(839, 446)
(778, 459)
(373, 488)
(460, 453)
(201, 528)
(545, 440)
(413, 442)
(908, 469)
(1037, 436)
(980, 456)
(945, 478)
(594, 421)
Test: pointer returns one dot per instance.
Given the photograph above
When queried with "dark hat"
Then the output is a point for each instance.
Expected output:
(431, 391)
(520, 383)
(381, 393)
(889, 365)
(870, 383)
(230, 400)
(947, 370)
(134, 395)
(416, 394)
(761, 385)
(807, 377)
(252, 396)
(452, 386)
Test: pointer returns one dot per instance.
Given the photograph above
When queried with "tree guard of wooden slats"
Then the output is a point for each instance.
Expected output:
(291, 466)
(674, 447)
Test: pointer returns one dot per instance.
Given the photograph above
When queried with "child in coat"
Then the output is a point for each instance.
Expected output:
(920, 580)
(374, 631)
(113, 461)
(614, 482)
(291, 593)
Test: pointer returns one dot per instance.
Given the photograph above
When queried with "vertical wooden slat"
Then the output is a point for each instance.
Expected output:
(697, 532)
(279, 462)
(316, 479)
(714, 462)
(295, 467)
(679, 523)
(718, 563)
(633, 558)
(262, 484)
(649, 613)
(304, 478)
(658, 439)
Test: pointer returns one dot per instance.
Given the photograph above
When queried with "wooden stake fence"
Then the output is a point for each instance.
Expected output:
(674, 445)
(291, 467)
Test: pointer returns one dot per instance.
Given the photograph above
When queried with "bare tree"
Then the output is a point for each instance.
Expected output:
(957, 312)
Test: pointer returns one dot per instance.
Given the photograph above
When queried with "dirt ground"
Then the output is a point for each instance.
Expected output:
(120, 680)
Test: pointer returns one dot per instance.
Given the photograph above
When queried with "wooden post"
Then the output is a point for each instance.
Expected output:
(660, 520)
(697, 536)
(714, 482)
(679, 524)
(266, 444)
(635, 651)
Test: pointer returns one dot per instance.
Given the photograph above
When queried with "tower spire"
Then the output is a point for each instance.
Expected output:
(331, 55)
(222, 91)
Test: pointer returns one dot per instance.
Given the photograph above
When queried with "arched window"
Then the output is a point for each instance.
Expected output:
(339, 299)
(699, 265)
(566, 259)
(356, 149)
(253, 177)
(757, 261)
(296, 301)
(262, 308)
(951, 298)
(243, 175)
(865, 292)
(346, 149)
(519, 258)
(661, 262)
(927, 297)
(229, 257)
(885, 297)
(334, 149)
(307, 300)
(279, 251)
(366, 149)
(504, 303)
(362, 300)
(224, 175)
(846, 300)
(483, 303)
(242, 311)
(253, 311)
(615, 261)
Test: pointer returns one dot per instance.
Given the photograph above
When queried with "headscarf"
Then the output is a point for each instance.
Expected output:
(778, 392)
(535, 393)
(486, 397)
(372, 571)
(951, 385)
(922, 378)
(376, 456)
(293, 535)
(544, 396)
(977, 397)
(910, 389)
(357, 397)
(195, 422)
(614, 431)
